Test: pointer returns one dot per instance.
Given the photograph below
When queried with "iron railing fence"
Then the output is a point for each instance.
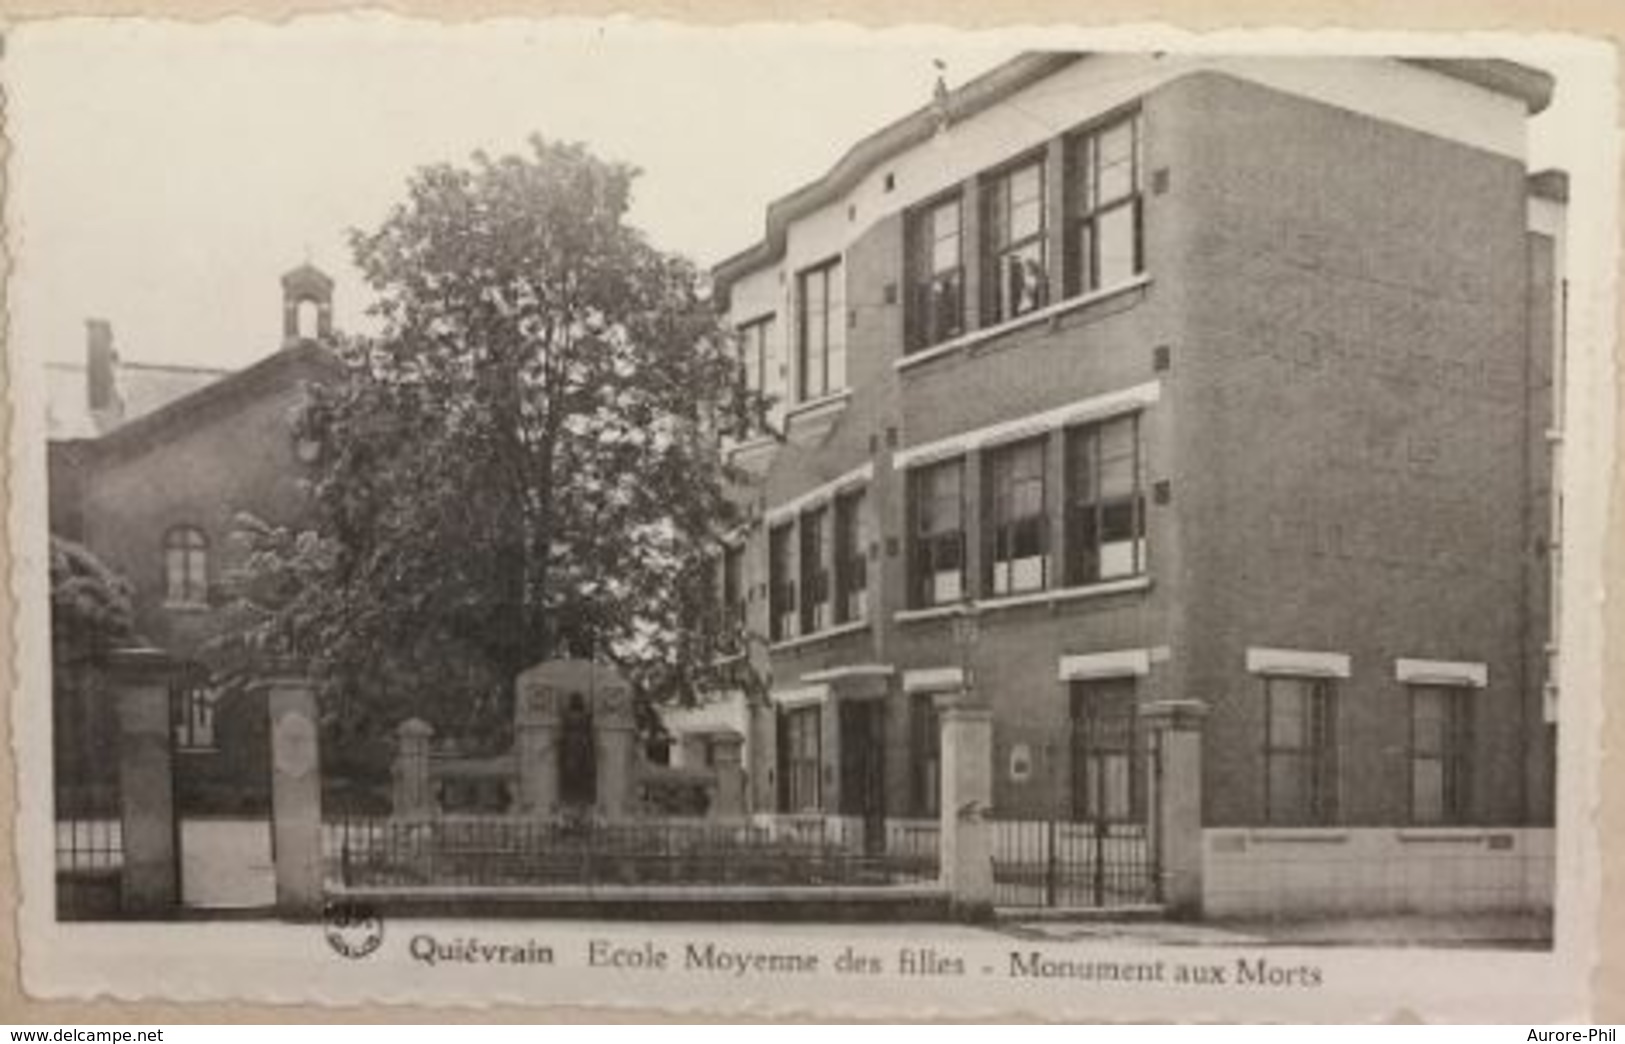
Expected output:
(513, 851)
(1059, 863)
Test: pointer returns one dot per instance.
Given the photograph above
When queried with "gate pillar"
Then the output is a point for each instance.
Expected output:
(410, 771)
(617, 750)
(1176, 800)
(150, 883)
(296, 794)
(728, 754)
(967, 801)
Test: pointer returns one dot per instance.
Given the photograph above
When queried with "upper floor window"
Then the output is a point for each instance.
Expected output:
(755, 368)
(733, 588)
(1105, 513)
(781, 583)
(851, 559)
(186, 566)
(1016, 256)
(1441, 754)
(937, 274)
(938, 557)
(1300, 771)
(1103, 238)
(815, 563)
(1020, 557)
(821, 330)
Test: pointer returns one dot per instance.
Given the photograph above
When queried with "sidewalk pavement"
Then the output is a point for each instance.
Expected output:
(1524, 931)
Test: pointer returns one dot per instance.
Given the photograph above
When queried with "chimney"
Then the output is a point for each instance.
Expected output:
(101, 374)
(307, 306)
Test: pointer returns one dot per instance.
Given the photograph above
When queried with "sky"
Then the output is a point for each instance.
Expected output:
(166, 175)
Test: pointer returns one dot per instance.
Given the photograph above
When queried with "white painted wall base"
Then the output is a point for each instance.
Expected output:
(1310, 872)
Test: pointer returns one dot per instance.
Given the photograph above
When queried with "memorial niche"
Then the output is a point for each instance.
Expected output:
(578, 754)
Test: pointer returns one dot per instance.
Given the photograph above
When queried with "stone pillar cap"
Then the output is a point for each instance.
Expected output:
(414, 728)
(141, 659)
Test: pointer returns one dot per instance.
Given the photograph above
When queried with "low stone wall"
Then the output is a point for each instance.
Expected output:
(1309, 872)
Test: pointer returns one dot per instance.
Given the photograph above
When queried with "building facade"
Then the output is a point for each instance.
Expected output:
(156, 496)
(1109, 380)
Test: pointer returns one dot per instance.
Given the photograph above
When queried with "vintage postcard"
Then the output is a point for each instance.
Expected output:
(806, 519)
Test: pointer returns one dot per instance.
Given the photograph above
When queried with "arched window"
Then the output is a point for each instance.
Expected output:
(186, 566)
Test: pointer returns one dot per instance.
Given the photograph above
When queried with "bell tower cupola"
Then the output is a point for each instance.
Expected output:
(307, 305)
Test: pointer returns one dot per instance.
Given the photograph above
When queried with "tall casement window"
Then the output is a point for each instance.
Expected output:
(192, 706)
(815, 563)
(925, 754)
(1103, 233)
(801, 746)
(1019, 539)
(1105, 511)
(937, 266)
(1300, 751)
(781, 583)
(755, 366)
(938, 559)
(851, 559)
(1017, 267)
(186, 566)
(1107, 780)
(733, 586)
(821, 332)
(1441, 754)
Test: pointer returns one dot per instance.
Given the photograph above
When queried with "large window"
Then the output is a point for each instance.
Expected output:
(938, 559)
(1105, 513)
(815, 563)
(937, 266)
(821, 340)
(851, 559)
(192, 707)
(925, 749)
(1300, 746)
(1016, 258)
(1020, 545)
(733, 587)
(1108, 784)
(756, 368)
(186, 566)
(1103, 239)
(802, 759)
(1441, 754)
(781, 583)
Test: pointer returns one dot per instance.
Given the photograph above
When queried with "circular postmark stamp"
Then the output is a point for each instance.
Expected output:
(353, 928)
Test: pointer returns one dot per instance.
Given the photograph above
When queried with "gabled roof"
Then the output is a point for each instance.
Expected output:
(207, 402)
(1531, 86)
(143, 387)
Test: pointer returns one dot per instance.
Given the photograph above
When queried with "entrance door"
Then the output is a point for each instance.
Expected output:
(863, 768)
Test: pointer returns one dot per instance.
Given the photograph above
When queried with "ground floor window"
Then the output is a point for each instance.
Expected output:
(925, 748)
(193, 702)
(1107, 782)
(801, 759)
(1300, 765)
(1441, 754)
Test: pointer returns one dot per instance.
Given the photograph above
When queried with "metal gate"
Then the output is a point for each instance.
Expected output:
(220, 771)
(1103, 853)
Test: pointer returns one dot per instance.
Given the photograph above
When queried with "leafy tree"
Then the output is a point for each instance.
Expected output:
(522, 464)
(91, 607)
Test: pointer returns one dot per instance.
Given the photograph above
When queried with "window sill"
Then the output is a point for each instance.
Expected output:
(186, 607)
(1298, 836)
(745, 447)
(196, 750)
(819, 636)
(1032, 318)
(813, 408)
(1059, 594)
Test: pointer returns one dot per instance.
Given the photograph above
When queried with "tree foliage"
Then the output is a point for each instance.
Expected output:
(91, 606)
(521, 464)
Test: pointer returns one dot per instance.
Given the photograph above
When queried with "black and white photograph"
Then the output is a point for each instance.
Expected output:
(808, 518)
